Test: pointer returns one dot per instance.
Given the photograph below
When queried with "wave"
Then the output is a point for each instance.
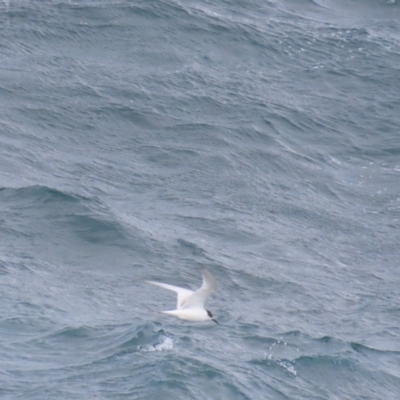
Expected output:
(300, 355)
(38, 193)
(45, 210)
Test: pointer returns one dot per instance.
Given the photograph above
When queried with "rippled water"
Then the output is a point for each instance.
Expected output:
(142, 140)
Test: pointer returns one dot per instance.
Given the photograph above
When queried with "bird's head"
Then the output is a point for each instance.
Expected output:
(210, 314)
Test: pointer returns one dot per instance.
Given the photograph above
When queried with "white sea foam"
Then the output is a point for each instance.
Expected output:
(166, 344)
(283, 363)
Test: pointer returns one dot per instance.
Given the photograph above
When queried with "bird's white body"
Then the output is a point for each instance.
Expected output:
(190, 304)
(189, 314)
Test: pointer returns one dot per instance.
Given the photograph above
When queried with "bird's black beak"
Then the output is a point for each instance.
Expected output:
(215, 321)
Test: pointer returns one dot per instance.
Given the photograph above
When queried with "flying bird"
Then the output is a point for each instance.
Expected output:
(190, 304)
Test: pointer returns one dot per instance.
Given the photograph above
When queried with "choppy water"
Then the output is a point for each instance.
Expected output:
(143, 139)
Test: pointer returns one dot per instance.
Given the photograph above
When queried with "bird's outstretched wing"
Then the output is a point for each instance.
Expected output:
(198, 298)
(183, 294)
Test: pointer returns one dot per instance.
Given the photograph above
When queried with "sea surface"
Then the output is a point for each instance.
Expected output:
(145, 139)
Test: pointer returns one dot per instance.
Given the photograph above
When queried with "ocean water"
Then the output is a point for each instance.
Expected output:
(143, 139)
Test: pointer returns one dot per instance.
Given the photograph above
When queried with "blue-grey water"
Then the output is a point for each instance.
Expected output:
(144, 139)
